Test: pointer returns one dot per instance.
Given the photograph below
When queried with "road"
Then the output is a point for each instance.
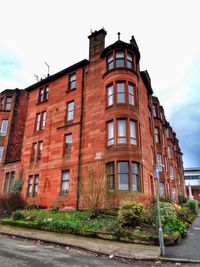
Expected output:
(24, 253)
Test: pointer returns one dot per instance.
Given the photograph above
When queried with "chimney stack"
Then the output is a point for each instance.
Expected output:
(97, 44)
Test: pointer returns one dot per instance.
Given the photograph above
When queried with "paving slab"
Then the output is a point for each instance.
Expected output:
(118, 249)
(188, 249)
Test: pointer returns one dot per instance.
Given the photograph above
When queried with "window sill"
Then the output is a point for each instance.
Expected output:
(5, 110)
(70, 90)
(41, 102)
(38, 132)
(118, 69)
(64, 194)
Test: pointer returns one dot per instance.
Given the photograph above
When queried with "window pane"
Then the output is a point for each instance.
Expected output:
(121, 131)
(36, 181)
(110, 62)
(120, 92)
(68, 143)
(119, 54)
(133, 132)
(8, 102)
(110, 95)
(46, 93)
(110, 175)
(159, 161)
(129, 61)
(135, 168)
(4, 125)
(135, 176)
(110, 133)
(70, 111)
(119, 59)
(123, 177)
(11, 180)
(30, 185)
(34, 152)
(43, 119)
(162, 190)
(40, 147)
(72, 81)
(131, 94)
(123, 167)
(6, 183)
(65, 182)
(154, 111)
(1, 152)
(38, 122)
(123, 181)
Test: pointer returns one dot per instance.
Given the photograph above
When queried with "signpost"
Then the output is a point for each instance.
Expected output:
(161, 239)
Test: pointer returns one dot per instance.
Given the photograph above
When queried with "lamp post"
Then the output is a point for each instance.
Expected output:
(161, 239)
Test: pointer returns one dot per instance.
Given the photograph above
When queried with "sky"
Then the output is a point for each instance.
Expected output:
(55, 31)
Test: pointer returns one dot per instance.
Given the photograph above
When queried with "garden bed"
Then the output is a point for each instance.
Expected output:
(80, 223)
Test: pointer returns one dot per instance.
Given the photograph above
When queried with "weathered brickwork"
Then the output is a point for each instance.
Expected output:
(95, 117)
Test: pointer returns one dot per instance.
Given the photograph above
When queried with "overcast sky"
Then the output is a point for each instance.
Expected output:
(167, 33)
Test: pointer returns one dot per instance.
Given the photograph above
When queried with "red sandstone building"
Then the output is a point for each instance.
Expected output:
(97, 112)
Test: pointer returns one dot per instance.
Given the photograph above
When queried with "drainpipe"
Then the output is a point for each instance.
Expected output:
(80, 141)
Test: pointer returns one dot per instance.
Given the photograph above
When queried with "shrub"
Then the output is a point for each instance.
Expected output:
(132, 213)
(193, 206)
(176, 226)
(167, 212)
(10, 202)
(182, 200)
(185, 214)
(32, 206)
(17, 215)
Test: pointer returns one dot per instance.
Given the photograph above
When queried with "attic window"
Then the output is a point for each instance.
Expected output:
(120, 59)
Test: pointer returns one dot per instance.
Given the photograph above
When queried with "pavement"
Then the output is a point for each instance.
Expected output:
(186, 251)
(98, 246)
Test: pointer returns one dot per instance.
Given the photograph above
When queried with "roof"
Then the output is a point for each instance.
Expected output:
(121, 44)
(57, 75)
(10, 91)
(147, 80)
